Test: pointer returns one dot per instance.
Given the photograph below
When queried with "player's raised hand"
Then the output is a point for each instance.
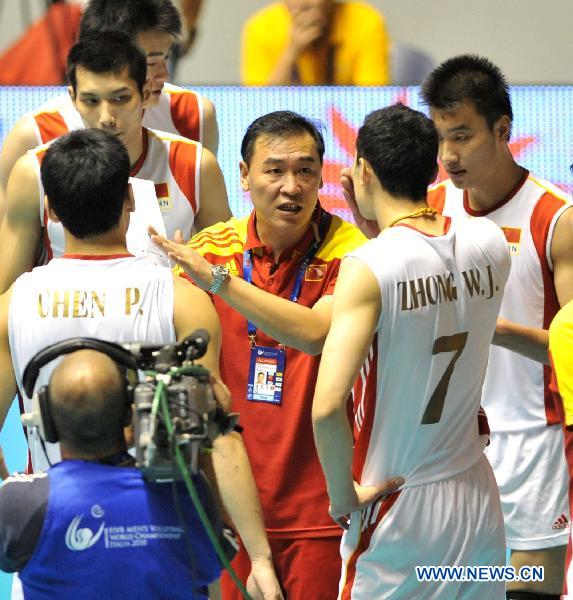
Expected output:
(194, 265)
(364, 496)
(369, 228)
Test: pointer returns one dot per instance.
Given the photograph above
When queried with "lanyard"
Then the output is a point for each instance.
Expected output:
(325, 219)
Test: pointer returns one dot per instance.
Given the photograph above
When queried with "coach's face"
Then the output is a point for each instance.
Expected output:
(112, 102)
(283, 177)
(469, 147)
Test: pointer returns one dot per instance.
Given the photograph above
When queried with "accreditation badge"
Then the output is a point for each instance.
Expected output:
(266, 369)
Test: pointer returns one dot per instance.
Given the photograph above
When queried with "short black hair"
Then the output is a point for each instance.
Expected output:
(281, 123)
(88, 418)
(107, 52)
(401, 144)
(85, 175)
(131, 16)
(472, 78)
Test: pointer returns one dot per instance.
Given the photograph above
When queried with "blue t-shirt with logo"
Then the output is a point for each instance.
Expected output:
(107, 533)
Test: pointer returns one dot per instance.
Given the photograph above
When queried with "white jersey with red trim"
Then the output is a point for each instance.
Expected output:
(171, 162)
(516, 394)
(115, 298)
(418, 393)
(179, 111)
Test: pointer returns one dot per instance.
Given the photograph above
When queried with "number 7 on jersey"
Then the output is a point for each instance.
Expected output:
(448, 343)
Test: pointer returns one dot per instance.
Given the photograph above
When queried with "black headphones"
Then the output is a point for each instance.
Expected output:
(41, 416)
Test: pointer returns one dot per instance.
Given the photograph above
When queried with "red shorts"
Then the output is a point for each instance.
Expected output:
(307, 568)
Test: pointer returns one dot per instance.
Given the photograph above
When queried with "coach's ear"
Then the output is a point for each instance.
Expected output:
(72, 94)
(51, 214)
(244, 176)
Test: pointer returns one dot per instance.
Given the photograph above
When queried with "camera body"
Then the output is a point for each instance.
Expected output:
(192, 410)
(184, 391)
(173, 400)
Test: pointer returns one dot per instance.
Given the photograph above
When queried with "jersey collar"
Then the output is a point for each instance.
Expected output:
(483, 213)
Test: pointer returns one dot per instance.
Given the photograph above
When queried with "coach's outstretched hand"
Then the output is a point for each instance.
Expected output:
(364, 495)
(194, 265)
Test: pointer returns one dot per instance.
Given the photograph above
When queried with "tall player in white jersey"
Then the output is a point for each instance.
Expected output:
(108, 85)
(154, 25)
(470, 104)
(98, 289)
(414, 312)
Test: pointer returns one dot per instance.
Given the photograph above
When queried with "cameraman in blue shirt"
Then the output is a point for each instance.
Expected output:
(92, 527)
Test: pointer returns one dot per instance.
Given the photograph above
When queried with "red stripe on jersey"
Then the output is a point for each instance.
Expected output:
(162, 190)
(483, 423)
(51, 125)
(186, 114)
(139, 163)
(364, 540)
(182, 162)
(364, 407)
(437, 198)
(540, 224)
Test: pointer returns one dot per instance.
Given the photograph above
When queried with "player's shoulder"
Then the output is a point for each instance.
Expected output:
(184, 98)
(438, 187)
(546, 190)
(39, 151)
(175, 90)
(24, 134)
(480, 236)
(171, 138)
(57, 104)
(481, 230)
(222, 239)
(342, 237)
(438, 192)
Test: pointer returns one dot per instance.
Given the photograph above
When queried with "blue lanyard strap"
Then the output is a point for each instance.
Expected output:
(325, 219)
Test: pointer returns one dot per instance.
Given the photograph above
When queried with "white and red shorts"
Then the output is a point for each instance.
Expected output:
(456, 521)
(531, 473)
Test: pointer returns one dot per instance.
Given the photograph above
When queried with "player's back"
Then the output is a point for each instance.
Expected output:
(115, 298)
(417, 398)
